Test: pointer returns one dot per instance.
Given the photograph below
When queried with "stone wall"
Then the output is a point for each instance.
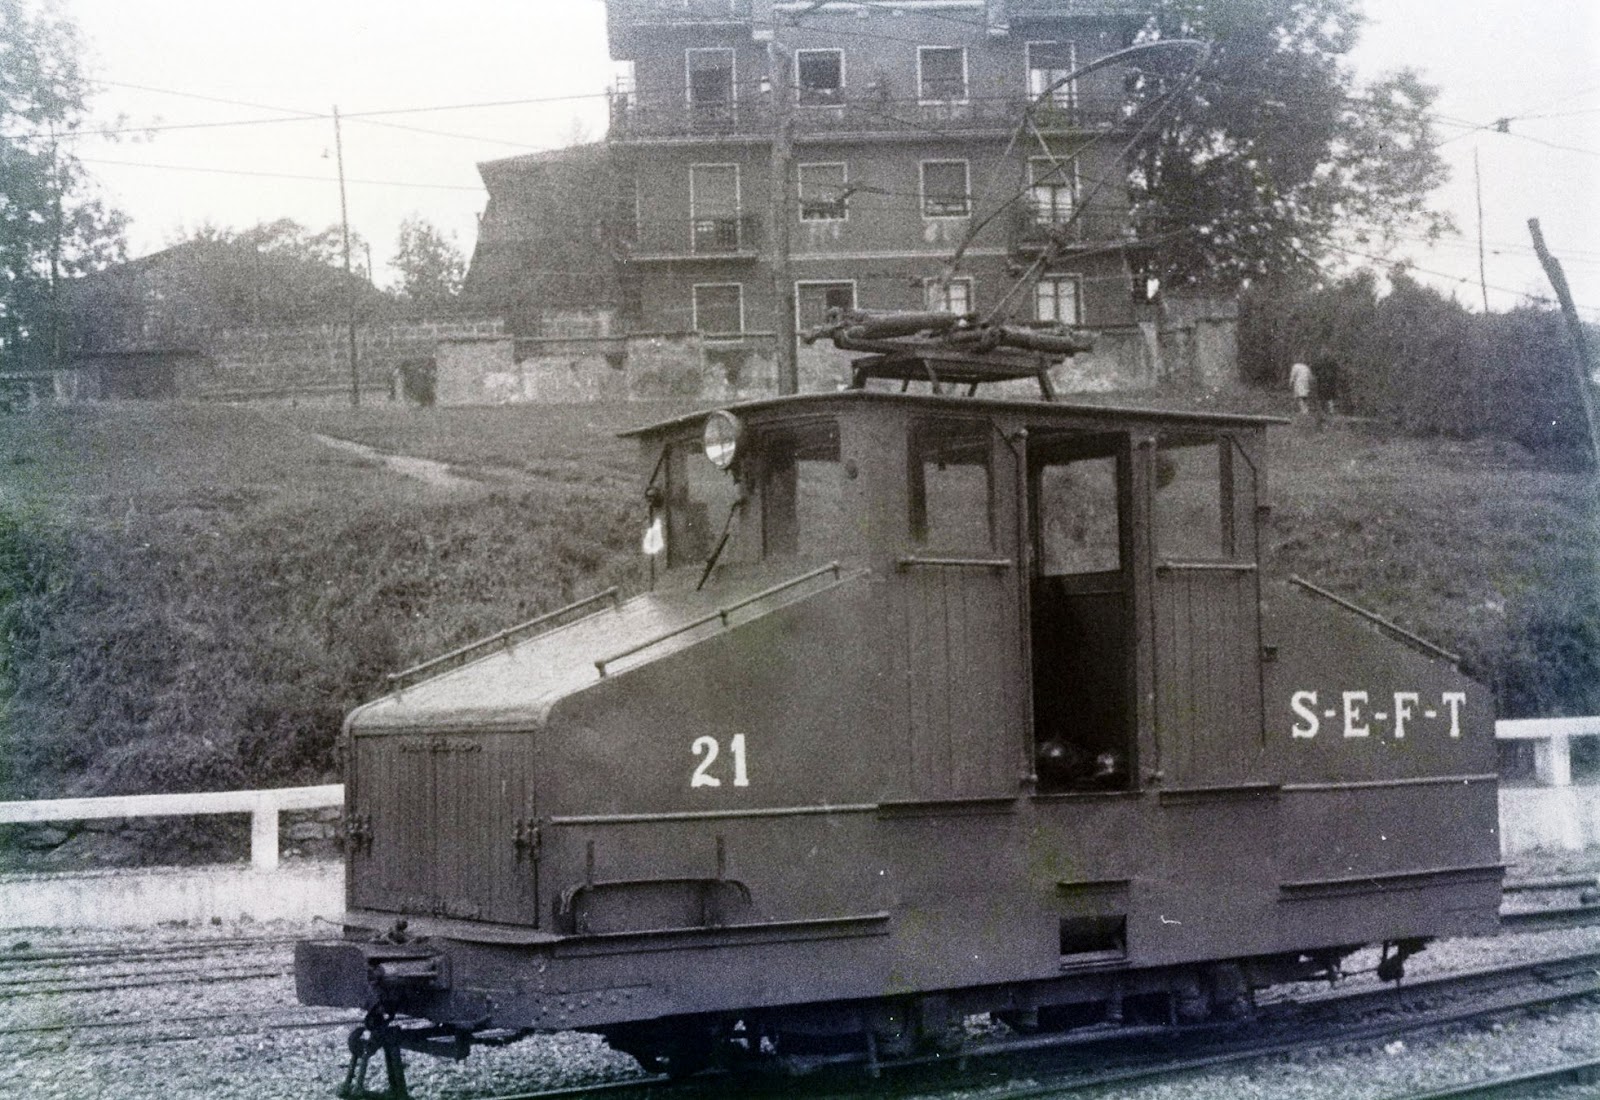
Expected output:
(303, 360)
(581, 357)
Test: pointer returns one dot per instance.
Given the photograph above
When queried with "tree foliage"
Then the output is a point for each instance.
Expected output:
(1271, 161)
(1423, 362)
(276, 272)
(431, 267)
(52, 225)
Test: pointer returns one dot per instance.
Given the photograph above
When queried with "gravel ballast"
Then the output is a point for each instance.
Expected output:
(192, 1038)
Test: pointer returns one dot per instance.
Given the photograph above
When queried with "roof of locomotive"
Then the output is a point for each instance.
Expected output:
(1051, 409)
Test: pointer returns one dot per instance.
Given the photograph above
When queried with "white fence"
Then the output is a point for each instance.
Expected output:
(262, 806)
(1551, 812)
(1554, 812)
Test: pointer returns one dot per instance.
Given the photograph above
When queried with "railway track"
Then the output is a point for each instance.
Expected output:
(1531, 1083)
(240, 966)
(1147, 1055)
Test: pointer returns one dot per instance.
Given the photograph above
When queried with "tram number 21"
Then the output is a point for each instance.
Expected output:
(708, 748)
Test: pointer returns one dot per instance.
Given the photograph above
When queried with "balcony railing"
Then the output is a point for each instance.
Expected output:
(679, 11)
(727, 236)
(826, 112)
(1034, 229)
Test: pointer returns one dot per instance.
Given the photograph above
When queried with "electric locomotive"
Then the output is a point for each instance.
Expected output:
(933, 705)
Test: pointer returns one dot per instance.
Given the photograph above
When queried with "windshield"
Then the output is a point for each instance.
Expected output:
(794, 485)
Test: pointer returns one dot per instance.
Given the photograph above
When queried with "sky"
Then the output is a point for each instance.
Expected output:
(495, 78)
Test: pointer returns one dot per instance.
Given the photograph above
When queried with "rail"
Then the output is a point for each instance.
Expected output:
(1373, 617)
(997, 564)
(721, 613)
(263, 807)
(395, 679)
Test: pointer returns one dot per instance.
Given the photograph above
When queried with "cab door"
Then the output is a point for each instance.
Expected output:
(1081, 610)
(1206, 601)
(959, 581)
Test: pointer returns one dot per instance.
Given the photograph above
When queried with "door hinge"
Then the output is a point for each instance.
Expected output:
(527, 840)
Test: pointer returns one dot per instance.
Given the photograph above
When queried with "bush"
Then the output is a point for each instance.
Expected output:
(1422, 362)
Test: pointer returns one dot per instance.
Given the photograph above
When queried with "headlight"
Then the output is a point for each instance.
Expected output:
(721, 438)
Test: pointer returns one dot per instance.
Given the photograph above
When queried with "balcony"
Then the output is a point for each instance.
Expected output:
(1018, 11)
(1032, 231)
(631, 23)
(827, 113)
(721, 238)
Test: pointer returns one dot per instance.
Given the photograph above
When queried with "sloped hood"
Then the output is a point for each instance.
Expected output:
(519, 685)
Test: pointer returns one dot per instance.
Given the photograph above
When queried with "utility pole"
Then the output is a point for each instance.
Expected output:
(1582, 365)
(780, 214)
(349, 281)
(1483, 277)
(56, 187)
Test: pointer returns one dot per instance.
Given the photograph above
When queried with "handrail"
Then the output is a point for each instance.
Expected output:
(721, 613)
(1378, 620)
(394, 678)
(263, 806)
(911, 561)
(1168, 566)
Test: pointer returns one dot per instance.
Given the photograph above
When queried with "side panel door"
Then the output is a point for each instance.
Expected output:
(445, 825)
(1206, 614)
(960, 600)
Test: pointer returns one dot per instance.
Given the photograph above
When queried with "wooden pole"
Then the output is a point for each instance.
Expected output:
(780, 211)
(1483, 276)
(349, 282)
(1583, 365)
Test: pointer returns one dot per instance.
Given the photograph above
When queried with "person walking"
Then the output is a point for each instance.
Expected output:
(1301, 382)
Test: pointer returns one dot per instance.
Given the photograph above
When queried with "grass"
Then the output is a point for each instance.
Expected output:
(192, 597)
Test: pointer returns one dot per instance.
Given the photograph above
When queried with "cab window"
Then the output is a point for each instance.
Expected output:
(699, 500)
(951, 485)
(1079, 530)
(801, 489)
(1192, 501)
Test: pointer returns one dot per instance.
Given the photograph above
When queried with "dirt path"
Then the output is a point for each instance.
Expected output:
(435, 473)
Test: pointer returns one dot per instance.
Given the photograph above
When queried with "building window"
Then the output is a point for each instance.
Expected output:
(710, 85)
(942, 74)
(1049, 65)
(1052, 189)
(944, 189)
(954, 298)
(719, 309)
(715, 224)
(1056, 299)
(817, 303)
(819, 77)
(822, 193)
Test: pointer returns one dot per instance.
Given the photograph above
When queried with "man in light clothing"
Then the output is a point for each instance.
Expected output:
(1300, 381)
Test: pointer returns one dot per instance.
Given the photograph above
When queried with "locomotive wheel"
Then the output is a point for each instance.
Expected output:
(678, 1052)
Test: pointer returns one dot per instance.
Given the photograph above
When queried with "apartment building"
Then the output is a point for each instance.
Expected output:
(896, 132)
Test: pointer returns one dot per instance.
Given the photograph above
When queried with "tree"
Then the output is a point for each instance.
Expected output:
(276, 272)
(1270, 162)
(52, 226)
(431, 267)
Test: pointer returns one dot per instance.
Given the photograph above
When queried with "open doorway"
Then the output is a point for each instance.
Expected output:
(1079, 611)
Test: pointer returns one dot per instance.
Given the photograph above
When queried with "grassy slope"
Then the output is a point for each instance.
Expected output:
(192, 597)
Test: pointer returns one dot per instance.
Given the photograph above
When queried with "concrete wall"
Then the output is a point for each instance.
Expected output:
(1560, 818)
(150, 896)
(500, 370)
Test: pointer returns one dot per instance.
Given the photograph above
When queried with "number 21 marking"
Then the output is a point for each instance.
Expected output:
(708, 747)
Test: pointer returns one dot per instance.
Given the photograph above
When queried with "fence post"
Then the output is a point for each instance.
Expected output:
(264, 835)
(1552, 760)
